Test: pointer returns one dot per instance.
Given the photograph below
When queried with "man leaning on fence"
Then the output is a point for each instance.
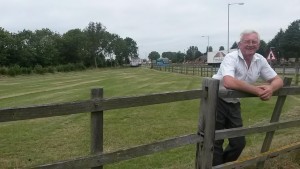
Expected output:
(238, 71)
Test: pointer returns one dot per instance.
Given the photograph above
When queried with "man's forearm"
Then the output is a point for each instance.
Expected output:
(234, 84)
(276, 83)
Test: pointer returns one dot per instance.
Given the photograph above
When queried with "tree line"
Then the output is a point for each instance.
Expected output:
(285, 45)
(47, 51)
(93, 46)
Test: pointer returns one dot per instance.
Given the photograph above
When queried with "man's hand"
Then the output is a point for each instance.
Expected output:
(267, 92)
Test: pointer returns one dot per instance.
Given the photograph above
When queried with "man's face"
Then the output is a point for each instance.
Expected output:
(249, 44)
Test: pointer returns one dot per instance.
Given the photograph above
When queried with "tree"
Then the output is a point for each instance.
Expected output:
(46, 48)
(180, 57)
(262, 48)
(153, 55)
(25, 51)
(95, 42)
(221, 48)
(131, 49)
(192, 53)
(45, 43)
(290, 42)
(73, 47)
(109, 49)
(275, 42)
(6, 41)
(169, 55)
(119, 50)
(234, 46)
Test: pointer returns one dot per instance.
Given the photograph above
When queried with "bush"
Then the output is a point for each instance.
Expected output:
(3, 71)
(26, 70)
(51, 69)
(14, 70)
(59, 68)
(66, 68)
(80, 66)
(39, 69)
(70, 67)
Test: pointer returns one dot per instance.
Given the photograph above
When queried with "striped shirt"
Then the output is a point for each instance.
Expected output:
(234, 65)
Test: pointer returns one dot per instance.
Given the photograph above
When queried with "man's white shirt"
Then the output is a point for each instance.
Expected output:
(235, 65)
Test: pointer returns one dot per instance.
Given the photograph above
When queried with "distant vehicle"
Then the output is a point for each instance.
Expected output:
(163, 62)
(135, 62)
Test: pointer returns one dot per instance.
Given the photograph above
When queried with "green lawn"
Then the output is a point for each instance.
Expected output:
(31, 142)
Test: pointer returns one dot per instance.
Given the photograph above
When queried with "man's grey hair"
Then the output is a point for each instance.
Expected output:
(246, 32)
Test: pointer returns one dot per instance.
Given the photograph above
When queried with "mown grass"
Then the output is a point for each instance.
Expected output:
(31, 142)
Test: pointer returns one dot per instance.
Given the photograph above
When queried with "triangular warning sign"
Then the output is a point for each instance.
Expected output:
(271, 56)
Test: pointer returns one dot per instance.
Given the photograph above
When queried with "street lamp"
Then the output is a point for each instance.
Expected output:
(228, 23)
(207, 42)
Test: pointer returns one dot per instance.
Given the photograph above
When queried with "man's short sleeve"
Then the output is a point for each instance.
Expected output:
(228, 66)
(267, 73)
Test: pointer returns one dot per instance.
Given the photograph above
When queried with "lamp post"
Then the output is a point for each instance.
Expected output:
(228, 23)
(207, 42)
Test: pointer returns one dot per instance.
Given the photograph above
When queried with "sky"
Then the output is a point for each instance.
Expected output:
(156, 25)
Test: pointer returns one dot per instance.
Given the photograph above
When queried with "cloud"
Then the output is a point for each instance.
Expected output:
(157, 25)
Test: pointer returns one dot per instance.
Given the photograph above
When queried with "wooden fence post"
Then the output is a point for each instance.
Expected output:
(207, 72)
(193, 69)
(186, 69)
(201, 71)
(181, 67)
(275, 118)
(97, 126)
(283, 70)
(206, 125)
(297, 74)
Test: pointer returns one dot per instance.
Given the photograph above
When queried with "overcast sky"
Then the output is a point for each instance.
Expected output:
(156, 25)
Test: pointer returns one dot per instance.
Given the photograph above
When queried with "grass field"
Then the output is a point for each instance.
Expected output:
(32, 142)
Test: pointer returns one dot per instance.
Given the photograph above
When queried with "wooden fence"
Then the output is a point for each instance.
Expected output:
(204, 141)
(208, 71)
(191, 69)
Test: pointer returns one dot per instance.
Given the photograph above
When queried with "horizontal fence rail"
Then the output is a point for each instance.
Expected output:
(262, 157)
(101, 159)
(112, 157)
(50, 110)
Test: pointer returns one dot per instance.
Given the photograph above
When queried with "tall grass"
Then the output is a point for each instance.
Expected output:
(31, 142)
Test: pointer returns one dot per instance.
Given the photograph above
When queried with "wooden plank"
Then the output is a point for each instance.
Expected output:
(207, 118)
(262, 157)
(60, 109)
(275, 118)
(121, 155)
(242, 131)
(50, 110)
(101, 159)
(290, 90)
(97, 126)
(135, 101)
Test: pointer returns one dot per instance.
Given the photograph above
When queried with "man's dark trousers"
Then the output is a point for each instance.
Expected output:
(228, 116)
